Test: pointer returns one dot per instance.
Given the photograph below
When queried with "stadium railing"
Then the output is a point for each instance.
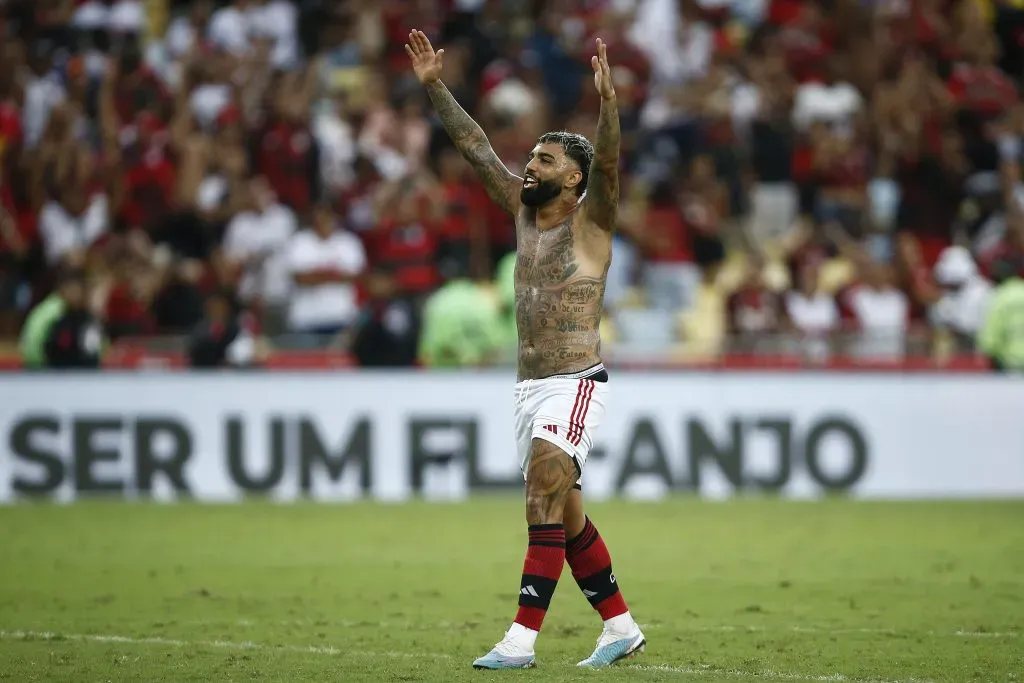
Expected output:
(917, 351)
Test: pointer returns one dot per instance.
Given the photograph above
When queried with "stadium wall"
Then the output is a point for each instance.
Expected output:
(395, 436)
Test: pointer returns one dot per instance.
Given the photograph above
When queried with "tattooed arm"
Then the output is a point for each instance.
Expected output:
(502, 185)
(603, 185)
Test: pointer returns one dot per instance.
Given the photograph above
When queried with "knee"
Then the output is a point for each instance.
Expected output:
(544, 508)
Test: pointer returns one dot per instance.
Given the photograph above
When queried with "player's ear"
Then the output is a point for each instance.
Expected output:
(573, 179)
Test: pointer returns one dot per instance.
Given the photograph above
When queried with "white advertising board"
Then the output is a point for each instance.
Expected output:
(396, 435)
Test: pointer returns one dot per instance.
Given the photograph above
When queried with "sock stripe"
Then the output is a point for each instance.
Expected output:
(547, 535)
(592, 568)
(588, 527)
(583, 541)
(545, 557)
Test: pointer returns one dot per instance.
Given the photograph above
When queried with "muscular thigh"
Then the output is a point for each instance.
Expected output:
(550, 477)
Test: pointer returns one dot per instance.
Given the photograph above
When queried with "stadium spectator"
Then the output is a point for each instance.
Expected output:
(388, 332)
(812, 313)
(754, 312)
(878, 312)
(325, 264)
(223, 338)
(670, 272)
(130, 139)
(461, 327)
(61, 332)
(1002, 336)
(254, 247)
(966, 294)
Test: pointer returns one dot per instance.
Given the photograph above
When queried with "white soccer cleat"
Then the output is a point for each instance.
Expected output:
(613, 647)
(507, 654)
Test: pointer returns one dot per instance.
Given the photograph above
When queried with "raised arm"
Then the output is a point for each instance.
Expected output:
(502, 185)
(603, 185)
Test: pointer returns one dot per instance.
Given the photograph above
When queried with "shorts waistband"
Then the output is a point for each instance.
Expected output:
(582, 374)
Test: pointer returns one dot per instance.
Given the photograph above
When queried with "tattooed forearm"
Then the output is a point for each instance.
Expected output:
(471, 141)
(603, 185)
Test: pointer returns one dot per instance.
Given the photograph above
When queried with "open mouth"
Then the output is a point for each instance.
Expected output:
(529, 182)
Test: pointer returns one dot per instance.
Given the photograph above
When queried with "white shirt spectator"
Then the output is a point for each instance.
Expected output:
(963, 310)
(816, 315)
(334, 136)
(679, 51)
(181, 36)
(63, 233)
(834, 104)
(212, 192)
(127, 16)
(230, 29)
(91, 15)
(259, 242)
(883, 318)
(329, 304)
(278, 20)
(41, 95)
(208, 101)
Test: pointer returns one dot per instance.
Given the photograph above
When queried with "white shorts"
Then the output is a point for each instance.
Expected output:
(564, 410)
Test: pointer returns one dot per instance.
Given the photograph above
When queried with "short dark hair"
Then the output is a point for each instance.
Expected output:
(577, 147)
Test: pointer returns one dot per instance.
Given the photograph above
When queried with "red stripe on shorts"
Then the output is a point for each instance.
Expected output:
(575, 409)
(576, 429)
(586, 410)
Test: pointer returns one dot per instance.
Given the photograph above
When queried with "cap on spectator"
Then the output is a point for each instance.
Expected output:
(954, 266)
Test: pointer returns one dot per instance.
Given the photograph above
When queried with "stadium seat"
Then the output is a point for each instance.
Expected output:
(645, 327)
(703, 327)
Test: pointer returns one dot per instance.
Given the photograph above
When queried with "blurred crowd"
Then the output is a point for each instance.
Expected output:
(799, 176)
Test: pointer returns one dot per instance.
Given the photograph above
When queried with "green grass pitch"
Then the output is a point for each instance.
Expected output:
(744, 590)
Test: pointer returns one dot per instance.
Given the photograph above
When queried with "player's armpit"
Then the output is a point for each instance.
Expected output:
(602, 202)
(502, 185)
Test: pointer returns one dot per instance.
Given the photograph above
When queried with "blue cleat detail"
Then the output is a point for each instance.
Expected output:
(496, 660)
(617, 650)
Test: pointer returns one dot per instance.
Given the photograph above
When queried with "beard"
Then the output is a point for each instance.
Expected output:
(543, 193)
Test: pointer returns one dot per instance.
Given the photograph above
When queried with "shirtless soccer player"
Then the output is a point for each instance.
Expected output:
(565, 208)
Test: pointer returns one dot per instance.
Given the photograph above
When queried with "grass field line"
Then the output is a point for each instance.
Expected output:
(691, 671)
(54, 636)
(723, 628)
(767, 674)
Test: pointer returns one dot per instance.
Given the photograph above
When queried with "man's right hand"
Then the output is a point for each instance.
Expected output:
(425, 62)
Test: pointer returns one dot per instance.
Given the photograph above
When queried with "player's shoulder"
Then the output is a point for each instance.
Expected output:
(599, 227)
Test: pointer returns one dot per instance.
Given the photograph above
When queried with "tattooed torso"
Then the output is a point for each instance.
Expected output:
(560, 271)
(559, 283)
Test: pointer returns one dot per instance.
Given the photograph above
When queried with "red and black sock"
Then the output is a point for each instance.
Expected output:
(545, 556)
(592, 568)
